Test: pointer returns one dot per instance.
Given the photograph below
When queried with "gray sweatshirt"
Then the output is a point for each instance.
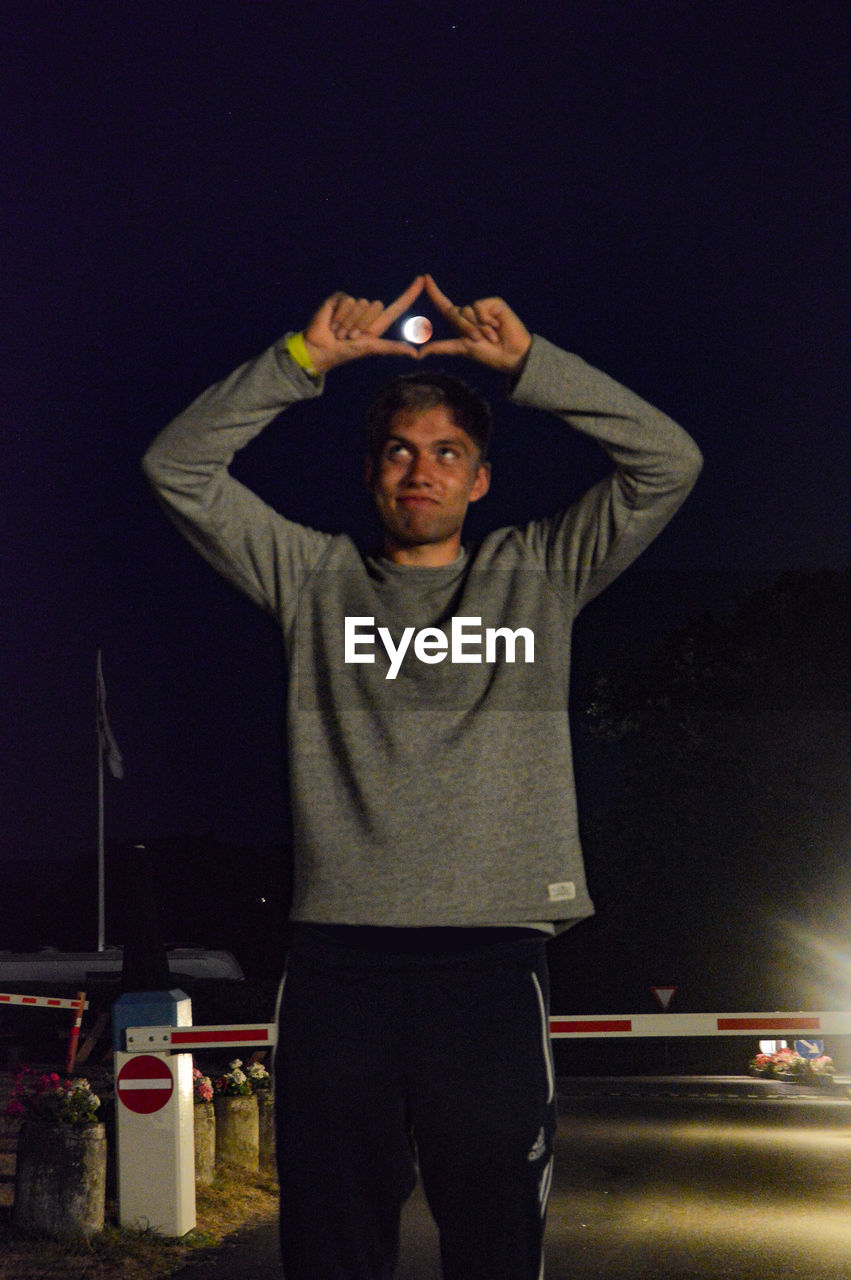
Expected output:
(428, 737)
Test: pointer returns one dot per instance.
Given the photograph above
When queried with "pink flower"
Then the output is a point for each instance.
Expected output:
(202, 1086)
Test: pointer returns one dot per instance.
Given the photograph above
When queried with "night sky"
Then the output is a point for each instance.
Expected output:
(657, 186)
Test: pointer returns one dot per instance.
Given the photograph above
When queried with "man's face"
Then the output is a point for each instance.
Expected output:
(427, 473)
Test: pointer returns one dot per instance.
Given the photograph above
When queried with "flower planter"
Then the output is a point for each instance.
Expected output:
(237, 1132)
(60, 1179)
(788, 1067)
(205, 1143)
(266, 1115)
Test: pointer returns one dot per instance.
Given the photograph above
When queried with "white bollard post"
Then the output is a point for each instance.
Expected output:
(154, 1119)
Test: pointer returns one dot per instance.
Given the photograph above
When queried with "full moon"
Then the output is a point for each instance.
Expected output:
(417, 329)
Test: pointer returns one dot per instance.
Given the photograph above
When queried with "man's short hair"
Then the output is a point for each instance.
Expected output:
(421, 391)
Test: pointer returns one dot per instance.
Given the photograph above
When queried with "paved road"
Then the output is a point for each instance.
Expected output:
(667, 1188)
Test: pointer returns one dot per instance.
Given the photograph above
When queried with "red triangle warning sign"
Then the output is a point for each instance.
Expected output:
(664, 996)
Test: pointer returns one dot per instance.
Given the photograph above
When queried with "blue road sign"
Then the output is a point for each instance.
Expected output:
(809, 1048)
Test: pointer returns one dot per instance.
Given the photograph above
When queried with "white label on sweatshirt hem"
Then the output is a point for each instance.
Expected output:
(564, 891)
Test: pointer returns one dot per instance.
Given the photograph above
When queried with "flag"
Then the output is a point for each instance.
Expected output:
(106, 738)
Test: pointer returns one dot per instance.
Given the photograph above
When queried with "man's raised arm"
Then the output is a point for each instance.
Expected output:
(187, 464)
(656, 463)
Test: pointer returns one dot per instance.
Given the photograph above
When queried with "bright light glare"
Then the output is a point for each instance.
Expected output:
(822, 962)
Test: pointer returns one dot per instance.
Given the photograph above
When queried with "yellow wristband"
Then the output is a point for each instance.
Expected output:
(295, 344)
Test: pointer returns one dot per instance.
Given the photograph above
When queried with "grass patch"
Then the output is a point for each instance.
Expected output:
(235, 1200)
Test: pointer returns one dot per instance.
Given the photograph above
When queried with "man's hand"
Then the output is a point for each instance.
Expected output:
(489, 332)
(346, 328)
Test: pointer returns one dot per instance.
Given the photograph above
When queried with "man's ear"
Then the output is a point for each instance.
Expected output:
(482, 482)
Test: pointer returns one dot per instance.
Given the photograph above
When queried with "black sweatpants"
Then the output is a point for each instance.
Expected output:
(395, 1061)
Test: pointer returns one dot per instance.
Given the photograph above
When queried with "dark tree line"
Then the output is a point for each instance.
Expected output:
(722, 864)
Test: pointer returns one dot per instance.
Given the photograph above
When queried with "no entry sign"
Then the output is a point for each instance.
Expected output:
(145, 1084)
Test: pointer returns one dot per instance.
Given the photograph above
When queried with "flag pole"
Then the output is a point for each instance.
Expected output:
(101, 859)
(107, 746)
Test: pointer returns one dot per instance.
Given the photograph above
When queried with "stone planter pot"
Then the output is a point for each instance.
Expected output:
(205, 1143)
(60, 1179)
(238, 1132)
(808, 1078)
(266, 1116)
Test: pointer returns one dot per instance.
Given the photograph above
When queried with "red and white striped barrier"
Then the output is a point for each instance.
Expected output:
(44, 1002)
(701, 1024)
(185, 1039)
(562, 1026)
(74, 1038)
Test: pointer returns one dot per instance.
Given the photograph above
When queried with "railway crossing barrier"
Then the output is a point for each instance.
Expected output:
(154, 1034)
(701, 1024)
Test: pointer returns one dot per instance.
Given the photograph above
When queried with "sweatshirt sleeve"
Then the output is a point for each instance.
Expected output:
(655, 467)
(247, 541)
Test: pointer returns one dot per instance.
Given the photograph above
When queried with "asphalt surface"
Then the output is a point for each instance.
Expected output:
(657, 1180)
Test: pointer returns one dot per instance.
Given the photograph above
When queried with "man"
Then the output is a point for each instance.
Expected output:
(435, 831)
